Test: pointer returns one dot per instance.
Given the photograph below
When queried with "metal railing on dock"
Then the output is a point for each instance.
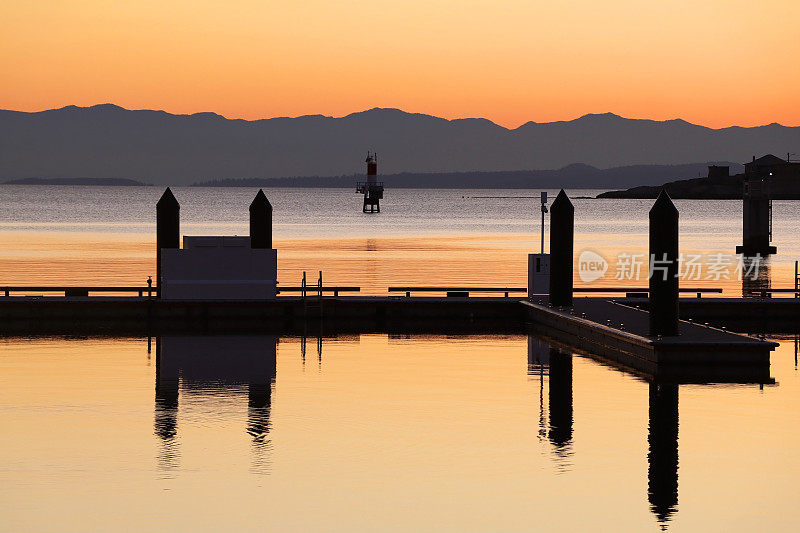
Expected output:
(84, 291)
(459, 291)
(464, 291)
(75, 290)
(315, 290)
(644, 291)
(362, 186)
(767, 293)
(318, 289)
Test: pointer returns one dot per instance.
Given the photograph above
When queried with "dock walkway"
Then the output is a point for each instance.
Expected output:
(621, 333)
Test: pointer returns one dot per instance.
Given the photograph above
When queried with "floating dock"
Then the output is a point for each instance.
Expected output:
(619, 332)
(288, 314)
(615, 331)
(32, 314)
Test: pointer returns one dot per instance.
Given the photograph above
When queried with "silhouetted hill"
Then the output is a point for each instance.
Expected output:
(117, 182)
(698, 188)
(718, 188)
(571, 176)
(107, 140)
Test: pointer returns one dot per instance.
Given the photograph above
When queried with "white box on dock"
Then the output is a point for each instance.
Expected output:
(218, 268)
(538, 274)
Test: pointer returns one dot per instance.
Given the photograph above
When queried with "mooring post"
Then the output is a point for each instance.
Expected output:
(562, 229)
(260, 221)
(168, 229)
(756, 214)
(664, 266)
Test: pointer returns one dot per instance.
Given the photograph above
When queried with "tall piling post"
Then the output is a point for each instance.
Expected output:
(562, 235)
(260, 222)
(663, 266)
(756, 213)
(168, 229)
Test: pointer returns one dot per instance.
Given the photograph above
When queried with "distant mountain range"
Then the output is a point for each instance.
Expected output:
(154, 146)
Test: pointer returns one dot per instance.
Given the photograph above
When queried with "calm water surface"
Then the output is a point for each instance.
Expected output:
(106, 235)
(465, 433)
(382, 433)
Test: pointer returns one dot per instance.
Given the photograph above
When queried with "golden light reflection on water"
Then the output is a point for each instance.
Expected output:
(393, 433)
(374, 264)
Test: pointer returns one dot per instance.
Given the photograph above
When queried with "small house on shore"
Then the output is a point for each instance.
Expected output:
(773, 167)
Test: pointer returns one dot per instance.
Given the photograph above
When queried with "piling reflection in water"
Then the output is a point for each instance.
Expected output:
(423, 411)
(662, 457)
(166, 410)
(203, 364)
(545, 360)
(560, 401)
(756, 276)
(538, 367)
(259, 399)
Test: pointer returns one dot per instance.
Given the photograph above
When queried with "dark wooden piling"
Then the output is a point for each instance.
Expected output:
(260, 222)
(664, 267)
(562, 230)
(168, 228)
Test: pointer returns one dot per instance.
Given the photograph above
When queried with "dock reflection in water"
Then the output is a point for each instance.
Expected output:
(405, 432)
(204, 364)
(662, 456)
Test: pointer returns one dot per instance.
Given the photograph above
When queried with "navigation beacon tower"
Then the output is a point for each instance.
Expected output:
(372, 189)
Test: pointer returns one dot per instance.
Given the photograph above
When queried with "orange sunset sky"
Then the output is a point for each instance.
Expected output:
(714, 62)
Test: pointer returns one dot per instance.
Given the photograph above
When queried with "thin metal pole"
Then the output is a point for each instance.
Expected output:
(544, 211)
(305, 310)
(542, 229)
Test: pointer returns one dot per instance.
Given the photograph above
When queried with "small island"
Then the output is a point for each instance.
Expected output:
(116, 182)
